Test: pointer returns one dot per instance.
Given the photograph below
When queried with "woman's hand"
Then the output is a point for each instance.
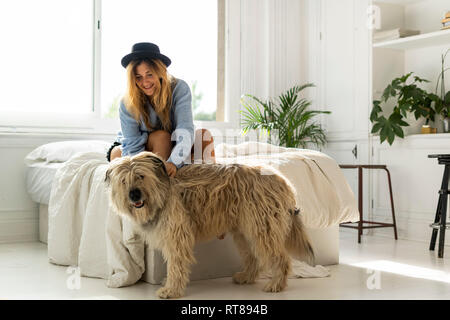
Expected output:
(171, 169)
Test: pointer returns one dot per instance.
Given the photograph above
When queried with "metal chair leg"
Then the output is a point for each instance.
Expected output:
(392, 203)
(442, 207)
(444, 194)
(437, 218)
(360, 203)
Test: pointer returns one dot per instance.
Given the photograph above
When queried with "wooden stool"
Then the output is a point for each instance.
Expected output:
(441, 211)
(361, 222)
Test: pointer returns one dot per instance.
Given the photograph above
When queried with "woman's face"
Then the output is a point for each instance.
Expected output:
(146, 80)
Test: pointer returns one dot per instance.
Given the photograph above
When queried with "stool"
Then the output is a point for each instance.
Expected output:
(441, 211)
(361, 222)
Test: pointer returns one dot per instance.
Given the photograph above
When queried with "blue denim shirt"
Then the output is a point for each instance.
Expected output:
(133, 135)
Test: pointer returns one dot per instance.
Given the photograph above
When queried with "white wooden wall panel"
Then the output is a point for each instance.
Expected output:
(346, 68)
(274, 52)
(339, 55)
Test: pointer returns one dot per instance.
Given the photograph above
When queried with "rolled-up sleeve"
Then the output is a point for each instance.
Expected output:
(183, 125)
(132, 138)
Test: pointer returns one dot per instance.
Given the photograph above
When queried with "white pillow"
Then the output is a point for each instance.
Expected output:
(64, 150)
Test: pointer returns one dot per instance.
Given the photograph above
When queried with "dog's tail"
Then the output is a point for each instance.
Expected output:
(297, 243)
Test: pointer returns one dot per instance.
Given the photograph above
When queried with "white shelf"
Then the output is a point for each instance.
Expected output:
(437, 38)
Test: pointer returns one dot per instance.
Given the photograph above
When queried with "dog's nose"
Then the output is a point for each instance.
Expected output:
(135, 195)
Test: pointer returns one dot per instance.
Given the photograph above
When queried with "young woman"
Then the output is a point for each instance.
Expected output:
(156, 112)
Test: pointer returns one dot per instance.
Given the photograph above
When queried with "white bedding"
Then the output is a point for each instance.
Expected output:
(84, 231)
(39, 179)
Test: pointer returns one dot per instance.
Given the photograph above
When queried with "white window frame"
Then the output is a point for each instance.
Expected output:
(11, 121)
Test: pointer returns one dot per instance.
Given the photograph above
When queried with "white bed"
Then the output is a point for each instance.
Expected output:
(217, 258)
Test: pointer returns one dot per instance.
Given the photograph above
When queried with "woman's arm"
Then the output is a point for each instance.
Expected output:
(132, 139)
(183, 125)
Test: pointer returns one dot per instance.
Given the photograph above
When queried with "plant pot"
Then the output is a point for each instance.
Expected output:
(427, 129)
(446, 125)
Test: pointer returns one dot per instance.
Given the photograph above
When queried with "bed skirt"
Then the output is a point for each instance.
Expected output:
(219, 258)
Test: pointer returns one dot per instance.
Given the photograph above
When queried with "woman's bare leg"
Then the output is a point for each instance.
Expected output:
(116, 152)
(159, 142)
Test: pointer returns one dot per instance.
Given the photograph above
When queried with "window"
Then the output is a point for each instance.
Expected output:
(185, 31)
(46, 56)
(61, 58)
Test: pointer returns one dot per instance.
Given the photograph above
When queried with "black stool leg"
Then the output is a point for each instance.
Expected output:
(360, 203)
(444, 196)
(437, 218)
(392, 203)
(440, 207)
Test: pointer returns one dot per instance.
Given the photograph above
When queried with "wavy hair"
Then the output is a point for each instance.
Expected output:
(135, 99)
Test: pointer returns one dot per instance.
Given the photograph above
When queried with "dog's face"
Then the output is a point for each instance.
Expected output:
(138, 186)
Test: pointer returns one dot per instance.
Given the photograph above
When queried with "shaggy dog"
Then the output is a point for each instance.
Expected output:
(203, 201)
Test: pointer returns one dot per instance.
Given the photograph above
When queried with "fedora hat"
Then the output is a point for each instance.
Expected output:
(144, 50)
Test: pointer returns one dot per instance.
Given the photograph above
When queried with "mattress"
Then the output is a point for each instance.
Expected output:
(39, 178)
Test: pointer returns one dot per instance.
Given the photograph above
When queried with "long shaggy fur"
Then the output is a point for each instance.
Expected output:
(204, 201)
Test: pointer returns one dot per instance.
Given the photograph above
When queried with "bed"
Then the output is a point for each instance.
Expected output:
(75, 219)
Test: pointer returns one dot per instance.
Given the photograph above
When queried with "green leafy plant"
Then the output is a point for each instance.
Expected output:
(288, 115)
(409, 98)
(443, 106)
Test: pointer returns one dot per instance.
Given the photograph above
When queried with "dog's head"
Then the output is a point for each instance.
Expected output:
(138, 185)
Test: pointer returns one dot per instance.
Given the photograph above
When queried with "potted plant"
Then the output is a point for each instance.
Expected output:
(289, 115)
(409, 98)
(443, 106)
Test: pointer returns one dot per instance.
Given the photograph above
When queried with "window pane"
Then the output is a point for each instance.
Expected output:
(185, 31)
(46, 55)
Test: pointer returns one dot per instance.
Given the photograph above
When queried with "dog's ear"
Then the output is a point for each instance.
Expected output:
(156, 160)
(160, 163)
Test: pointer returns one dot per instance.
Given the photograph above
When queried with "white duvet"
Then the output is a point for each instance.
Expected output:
(85, 232)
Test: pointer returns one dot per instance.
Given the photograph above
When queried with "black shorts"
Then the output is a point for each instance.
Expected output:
(108, 154)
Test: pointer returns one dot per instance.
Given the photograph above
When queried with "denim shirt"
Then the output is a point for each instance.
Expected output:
(133, 135)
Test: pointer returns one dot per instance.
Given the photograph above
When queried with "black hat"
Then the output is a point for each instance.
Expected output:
(145, 50)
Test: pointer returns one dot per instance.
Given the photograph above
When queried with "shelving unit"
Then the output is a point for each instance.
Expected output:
(416, 42)
(420, 54)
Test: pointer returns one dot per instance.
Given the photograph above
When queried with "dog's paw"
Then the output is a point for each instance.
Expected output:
(167, 293)
(242, 278)
(274, 287)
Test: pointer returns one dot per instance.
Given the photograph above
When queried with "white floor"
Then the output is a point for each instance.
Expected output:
(378, 268)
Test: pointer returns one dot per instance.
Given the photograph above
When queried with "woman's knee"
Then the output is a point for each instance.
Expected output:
(158, 137)
(116, 152)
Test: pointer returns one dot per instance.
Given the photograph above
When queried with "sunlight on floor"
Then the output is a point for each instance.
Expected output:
(98, 298)
(405, 270)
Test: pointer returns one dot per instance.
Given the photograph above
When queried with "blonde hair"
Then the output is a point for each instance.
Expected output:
(161, 100)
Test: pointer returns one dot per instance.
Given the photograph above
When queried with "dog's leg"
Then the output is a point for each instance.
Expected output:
(281, 266)
(179, 252)
(271, 251)
(177, 278)
(251, 267)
